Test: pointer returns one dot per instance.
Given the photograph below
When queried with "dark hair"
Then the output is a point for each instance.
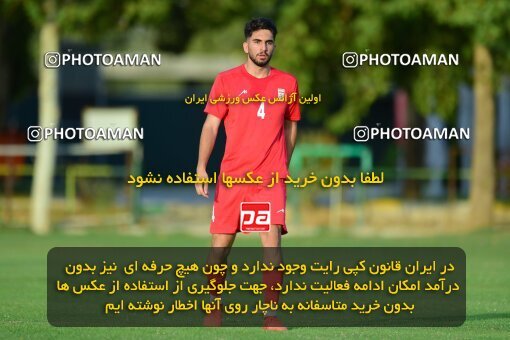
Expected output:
(259, 24)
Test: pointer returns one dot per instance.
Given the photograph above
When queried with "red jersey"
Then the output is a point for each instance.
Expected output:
(254, 129)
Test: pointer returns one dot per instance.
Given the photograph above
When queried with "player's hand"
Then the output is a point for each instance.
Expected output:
(202, 188)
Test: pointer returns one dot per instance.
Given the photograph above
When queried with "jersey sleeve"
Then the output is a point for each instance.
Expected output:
(218, 109)
(293, 111)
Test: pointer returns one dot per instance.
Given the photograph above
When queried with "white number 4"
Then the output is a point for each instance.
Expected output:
(260, 112)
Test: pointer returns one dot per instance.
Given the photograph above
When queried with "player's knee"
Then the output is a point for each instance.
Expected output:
(272, 238)
(221, 245)
(222, 240)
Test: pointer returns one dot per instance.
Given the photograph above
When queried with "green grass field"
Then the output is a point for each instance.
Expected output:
(23, 287)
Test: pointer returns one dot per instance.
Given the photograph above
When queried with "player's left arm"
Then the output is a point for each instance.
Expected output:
(292, 116)
(290, 127)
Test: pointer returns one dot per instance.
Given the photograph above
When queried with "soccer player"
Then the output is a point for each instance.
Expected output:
(260, 138)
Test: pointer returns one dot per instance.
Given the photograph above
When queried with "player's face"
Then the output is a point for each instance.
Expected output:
(260, 47)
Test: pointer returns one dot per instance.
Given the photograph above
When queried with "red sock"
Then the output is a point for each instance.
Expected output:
(270, 279)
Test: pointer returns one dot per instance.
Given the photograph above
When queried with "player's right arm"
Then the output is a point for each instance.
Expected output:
(207, 140)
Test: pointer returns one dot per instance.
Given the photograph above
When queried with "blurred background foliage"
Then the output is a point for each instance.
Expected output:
(312, 37)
